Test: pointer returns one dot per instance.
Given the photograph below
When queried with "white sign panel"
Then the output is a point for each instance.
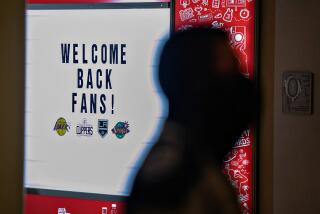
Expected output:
(93, 108)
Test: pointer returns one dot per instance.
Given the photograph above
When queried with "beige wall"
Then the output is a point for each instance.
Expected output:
(297, 138)
(12, 105)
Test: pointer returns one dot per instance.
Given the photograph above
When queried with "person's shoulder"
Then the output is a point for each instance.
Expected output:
(166, 155)
(159, 182)
(213, 192)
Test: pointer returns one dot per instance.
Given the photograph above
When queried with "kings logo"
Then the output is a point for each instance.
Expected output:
(103, 127)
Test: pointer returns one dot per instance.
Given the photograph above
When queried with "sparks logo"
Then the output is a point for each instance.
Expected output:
(121, 129)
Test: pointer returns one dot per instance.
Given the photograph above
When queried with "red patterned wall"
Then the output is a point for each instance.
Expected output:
(237, 17)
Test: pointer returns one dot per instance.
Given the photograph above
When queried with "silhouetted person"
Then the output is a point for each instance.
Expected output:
(210, 105)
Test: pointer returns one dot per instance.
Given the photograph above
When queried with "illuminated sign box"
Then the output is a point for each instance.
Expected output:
(84, 141)
(93, 105)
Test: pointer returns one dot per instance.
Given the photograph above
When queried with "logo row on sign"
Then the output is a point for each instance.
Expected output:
(84, 128)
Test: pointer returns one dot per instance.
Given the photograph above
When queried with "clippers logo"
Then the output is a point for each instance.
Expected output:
(103, 127)
(121, 129)
(61, 126)
(84, 129)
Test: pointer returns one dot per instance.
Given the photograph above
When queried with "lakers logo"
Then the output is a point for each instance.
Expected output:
(61, 126)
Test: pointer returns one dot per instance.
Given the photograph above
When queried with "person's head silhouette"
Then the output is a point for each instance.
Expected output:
(200, 75)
